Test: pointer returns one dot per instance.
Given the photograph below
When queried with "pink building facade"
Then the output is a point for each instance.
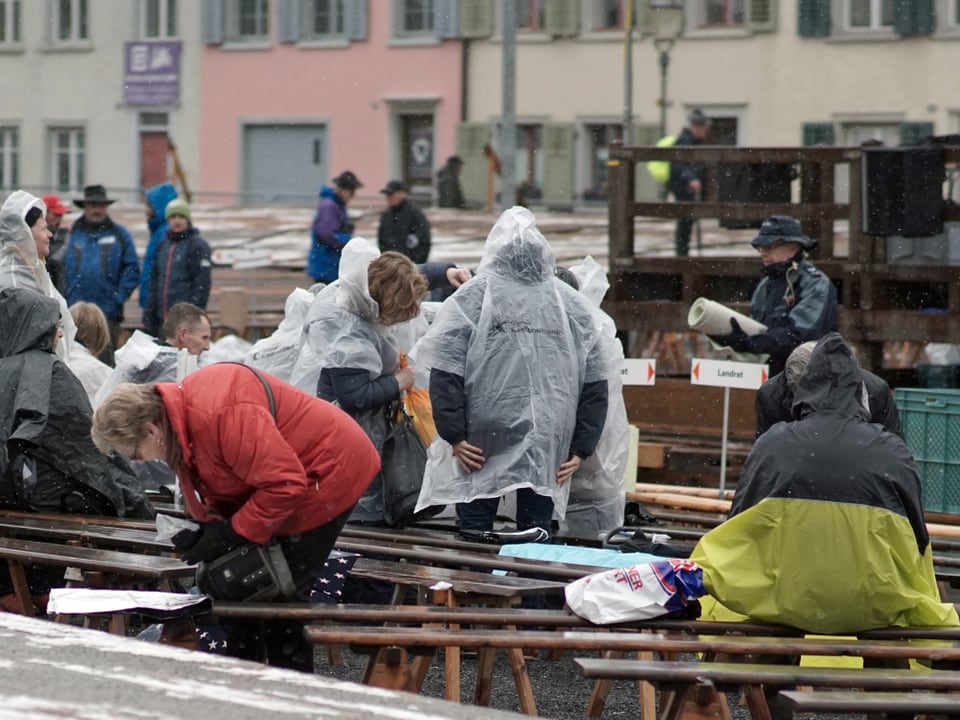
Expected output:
(296, 91)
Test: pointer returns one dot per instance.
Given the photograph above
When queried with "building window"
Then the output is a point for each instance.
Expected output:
(158, 19)
(720, 13)
(529, 160)
(9, 22)
(869, 14)
(248, 20)
(9, 158)
(599, 138)
(530, 15)
(416, 17)
(69, 20)
(323, 19)
(68, 151)
(607, 14)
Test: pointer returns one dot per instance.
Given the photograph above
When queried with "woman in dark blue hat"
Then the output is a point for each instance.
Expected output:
(795, 300)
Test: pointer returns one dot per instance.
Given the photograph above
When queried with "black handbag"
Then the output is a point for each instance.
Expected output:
(249, 573)
(404, 459)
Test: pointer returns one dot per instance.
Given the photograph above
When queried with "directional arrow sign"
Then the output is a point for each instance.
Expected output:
(639, 372)
(726, 373)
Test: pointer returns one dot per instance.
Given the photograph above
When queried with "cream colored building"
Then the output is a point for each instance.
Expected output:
(771, 72)
(91, 89)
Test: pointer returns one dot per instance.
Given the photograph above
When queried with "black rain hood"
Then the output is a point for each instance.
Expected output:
(44, 410)
(832, 381)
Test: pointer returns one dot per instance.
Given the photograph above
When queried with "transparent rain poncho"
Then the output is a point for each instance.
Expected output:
(278, 353)
(525, 343)
(343, 330)
(20, 266)
(596, 491)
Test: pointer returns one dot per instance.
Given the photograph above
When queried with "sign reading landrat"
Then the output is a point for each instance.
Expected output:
(727, 373)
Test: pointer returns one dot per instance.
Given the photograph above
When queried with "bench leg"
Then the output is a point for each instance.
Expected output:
(699, 702)
(486, 658)
(521, 679)
(389, 669)
(21, 587)
(601, 690)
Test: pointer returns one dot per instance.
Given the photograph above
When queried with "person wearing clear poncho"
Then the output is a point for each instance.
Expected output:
(517, 384)
(351, 355)
(596, 503)
(23, 231)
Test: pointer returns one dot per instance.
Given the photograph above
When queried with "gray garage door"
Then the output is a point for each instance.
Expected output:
(284, 164)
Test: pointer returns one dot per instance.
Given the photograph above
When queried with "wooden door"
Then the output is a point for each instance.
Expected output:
(154, 150)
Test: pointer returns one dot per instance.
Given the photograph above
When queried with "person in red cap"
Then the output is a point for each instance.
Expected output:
(58, 243)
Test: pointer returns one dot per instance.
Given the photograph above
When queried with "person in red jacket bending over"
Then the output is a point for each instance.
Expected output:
(253, 466)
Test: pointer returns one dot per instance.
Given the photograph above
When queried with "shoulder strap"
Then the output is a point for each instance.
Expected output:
(266, 386)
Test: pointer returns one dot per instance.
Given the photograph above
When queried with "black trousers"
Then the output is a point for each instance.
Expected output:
(681, 236)
(281, 642)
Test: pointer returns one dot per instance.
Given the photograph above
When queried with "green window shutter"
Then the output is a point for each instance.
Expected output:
(288, 21)
(914, 133)
(212, 22)
(813, 18)
(355, 19)
(476, 18)
(446, 20)
(562, 17)
(821, 133)
(471, 137)
(762, 15)
(645, 188)
(914, 17)
(643, 17)
(558, 162)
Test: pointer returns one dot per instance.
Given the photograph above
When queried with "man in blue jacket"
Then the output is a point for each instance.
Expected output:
(101, 261)
(332, 228)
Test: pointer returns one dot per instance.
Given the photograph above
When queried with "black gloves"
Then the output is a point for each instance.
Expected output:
(737, 340)
(209, 541)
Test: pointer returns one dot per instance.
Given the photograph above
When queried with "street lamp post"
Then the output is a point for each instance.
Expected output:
(667, 25)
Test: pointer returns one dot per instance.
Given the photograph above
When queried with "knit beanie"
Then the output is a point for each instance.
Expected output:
(177, 206)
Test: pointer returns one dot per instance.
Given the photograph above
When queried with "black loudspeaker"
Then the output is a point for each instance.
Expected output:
(903, 191)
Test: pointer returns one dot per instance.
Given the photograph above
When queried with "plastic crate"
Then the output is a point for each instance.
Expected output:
(931, 428)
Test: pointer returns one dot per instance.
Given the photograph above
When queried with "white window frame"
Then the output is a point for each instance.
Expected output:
(79, 28)
(74, 154)
(11, 30)
(9, 157)
(168, 17)
(876, 11)
(400, 20)
(338, 15)
(261, 18)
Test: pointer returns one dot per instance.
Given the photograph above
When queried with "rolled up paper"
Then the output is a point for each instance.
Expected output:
(713, 318)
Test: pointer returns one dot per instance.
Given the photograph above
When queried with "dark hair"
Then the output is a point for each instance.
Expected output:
(568, 277)
(33, 214)
(183, 314)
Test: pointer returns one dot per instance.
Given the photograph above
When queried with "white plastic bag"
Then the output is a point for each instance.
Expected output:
(638, 592)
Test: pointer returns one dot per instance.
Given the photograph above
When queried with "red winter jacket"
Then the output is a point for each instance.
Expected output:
(270, 477)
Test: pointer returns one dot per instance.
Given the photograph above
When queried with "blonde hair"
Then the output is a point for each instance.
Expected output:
(92, 330)
(121, 419)
(397, 285)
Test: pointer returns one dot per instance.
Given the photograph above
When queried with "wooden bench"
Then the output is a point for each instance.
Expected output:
(887, 703)
(102, 568)
(695, 685)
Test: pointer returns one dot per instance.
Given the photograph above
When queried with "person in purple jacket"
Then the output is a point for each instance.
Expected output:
(332, 228)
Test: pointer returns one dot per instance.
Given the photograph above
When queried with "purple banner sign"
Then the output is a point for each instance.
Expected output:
(151, 72)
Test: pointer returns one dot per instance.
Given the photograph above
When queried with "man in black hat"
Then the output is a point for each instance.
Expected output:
(794, 300)
(403, 226)
(449, 192)
(687, 179)
(101, 261)
(331, 228)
